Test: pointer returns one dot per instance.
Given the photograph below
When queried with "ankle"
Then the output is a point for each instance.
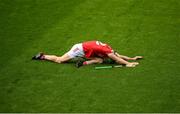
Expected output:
(43, 57)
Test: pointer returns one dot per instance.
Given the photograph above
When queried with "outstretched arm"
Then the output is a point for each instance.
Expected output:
(128, 58)
(122, 61)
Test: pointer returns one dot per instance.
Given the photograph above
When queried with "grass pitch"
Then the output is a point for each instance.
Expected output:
(133, 27)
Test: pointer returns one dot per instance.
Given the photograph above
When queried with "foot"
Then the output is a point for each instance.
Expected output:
(39, 56)
(79, 63)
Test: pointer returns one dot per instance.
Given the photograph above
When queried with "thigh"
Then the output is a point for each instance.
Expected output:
(65, 57)
(76, 51)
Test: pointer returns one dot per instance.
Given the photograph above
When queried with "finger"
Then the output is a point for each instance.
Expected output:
(136, 63)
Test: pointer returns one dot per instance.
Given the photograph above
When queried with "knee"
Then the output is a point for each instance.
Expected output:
(99, 60)
(58, 60)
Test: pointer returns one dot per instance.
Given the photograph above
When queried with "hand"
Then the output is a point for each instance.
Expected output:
(137, 57)
(133, 64)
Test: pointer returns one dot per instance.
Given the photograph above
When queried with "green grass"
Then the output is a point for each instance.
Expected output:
(133, 27)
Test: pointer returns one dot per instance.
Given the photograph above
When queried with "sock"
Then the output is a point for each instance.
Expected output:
(42, 57)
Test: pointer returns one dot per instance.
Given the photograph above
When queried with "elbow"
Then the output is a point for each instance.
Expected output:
(99, 60)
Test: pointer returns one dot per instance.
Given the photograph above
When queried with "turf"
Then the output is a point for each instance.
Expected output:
(133, 27)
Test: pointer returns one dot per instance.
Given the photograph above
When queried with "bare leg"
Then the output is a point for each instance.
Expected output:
(57, 59)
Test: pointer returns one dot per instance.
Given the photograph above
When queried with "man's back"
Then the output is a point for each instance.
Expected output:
(96, 49)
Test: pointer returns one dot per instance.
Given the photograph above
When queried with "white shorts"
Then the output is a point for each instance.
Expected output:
(76, 51)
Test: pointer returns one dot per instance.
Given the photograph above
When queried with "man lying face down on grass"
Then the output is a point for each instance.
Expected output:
(94, 51)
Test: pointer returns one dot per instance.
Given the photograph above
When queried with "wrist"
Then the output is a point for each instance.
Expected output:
(133, 58)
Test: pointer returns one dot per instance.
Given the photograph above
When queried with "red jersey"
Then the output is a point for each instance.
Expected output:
(96, 49)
